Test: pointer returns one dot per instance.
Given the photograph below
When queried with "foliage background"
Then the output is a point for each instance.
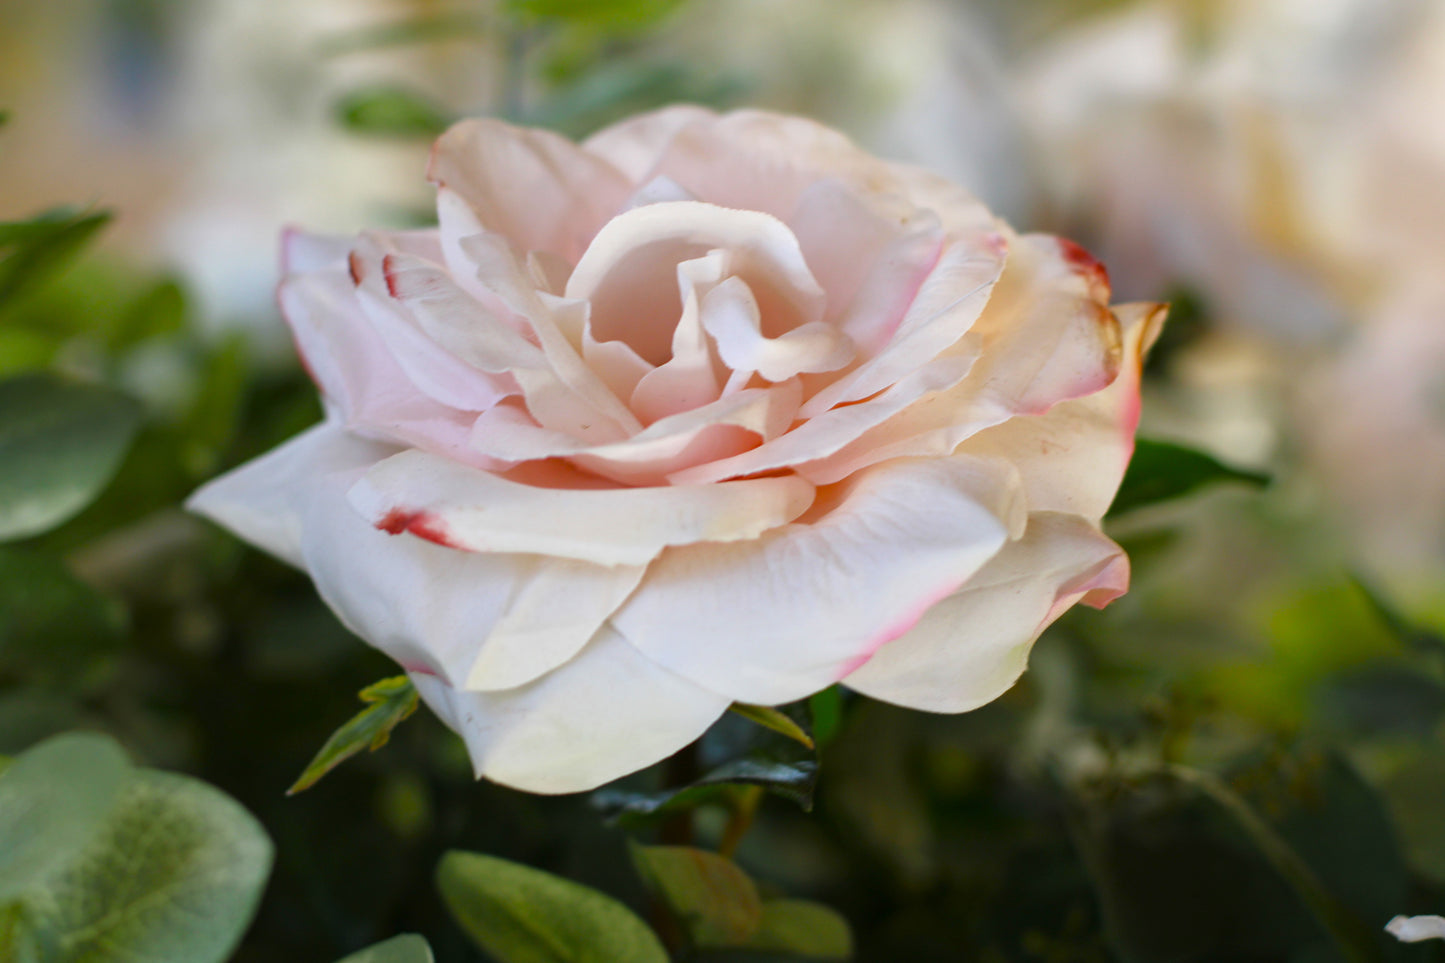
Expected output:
(1284, 643)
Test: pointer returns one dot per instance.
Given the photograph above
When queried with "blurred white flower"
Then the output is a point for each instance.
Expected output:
(1413, 929)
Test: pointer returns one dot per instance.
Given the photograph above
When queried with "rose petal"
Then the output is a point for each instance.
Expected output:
(357, 375)
(1073, 456)
(628, 274)
(428, 365)
(482, 512)
(536, 188)
(1414, 929)
(779, 617)
(948, 303)
(1046, 338)
(606, 713)
(712, 433)
(730, 313)
(824, 434)
(632, 146)
(484, 621)
(972, 646)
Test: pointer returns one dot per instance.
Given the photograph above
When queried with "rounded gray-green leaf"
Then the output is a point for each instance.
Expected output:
(53, 799)
(523, 915)
(407, 948)
(60, 444)
(173, 876)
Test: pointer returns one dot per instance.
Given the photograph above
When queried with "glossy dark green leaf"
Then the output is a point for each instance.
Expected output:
(60, 443)
(716, 902)
(390, 702)
(522, 915)
(826, 709)
(1161, 470)
(803, 928)
(391, 112)
(40, 247)
(173, 875)
(53, 799)
(407, 948)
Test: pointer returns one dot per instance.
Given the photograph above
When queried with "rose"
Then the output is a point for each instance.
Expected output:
(706, 409)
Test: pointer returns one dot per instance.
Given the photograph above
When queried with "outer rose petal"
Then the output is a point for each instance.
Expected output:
(971, 647)
(538, 189)
(632, 146)
(608, 712)
(785, 615)
(1073, 456)
(1047, 335)
(478, 511)
(484, 621)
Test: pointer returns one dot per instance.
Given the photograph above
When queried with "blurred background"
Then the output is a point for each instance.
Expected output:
(1273, 168)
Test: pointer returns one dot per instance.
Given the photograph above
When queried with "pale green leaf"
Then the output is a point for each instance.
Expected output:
(714, 899)
(173, 876)
(60, 444)
(804, 928)
(774, 720)
(53, 798)
(407, 948)
(523, 915)
(391, 702)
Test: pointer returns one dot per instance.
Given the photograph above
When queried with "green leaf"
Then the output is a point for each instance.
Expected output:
(714, 900)
(523, 915)
(391, 112)
(173, 876)
(1412, 635)
(826, 708)
(53, 798)
(391, 701)
(773, 719)
(158, 311)
(42, 246)
(634, 14)
(1162, 470)
(60, 444)
(407, 948)
(804, 928)
(1357, 942)
(53, 627)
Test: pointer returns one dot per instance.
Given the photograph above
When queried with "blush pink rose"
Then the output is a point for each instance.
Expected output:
(704, 409)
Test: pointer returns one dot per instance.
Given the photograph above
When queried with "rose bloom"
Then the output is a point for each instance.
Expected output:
(707, 409)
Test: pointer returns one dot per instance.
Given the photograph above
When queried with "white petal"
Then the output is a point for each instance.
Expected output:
(481, 512)
(782, 616)
(606, 713)
(262, 501)
(1413, 929)
(1073, 456)
(969, 648)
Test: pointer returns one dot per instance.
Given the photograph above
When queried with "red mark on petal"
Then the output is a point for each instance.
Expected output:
(421, 524)
(1088, 267)
(388, 270)
(354, 265)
